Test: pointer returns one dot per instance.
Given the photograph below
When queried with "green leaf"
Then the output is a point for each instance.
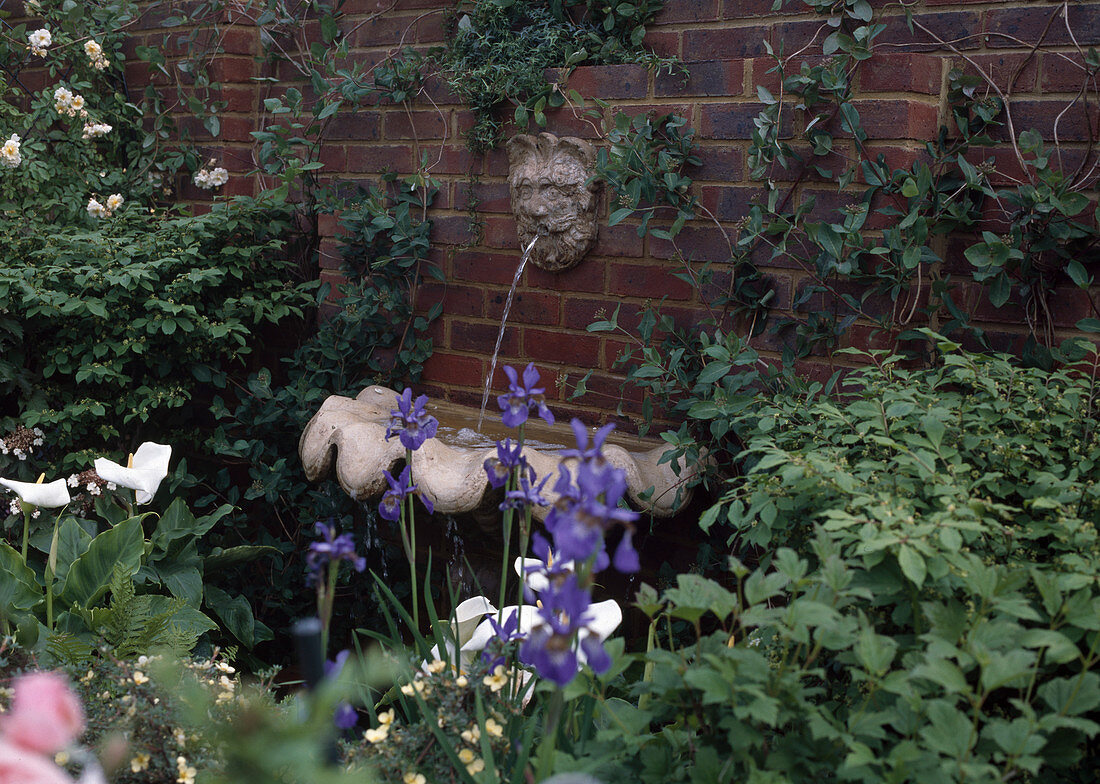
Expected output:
(619, 215)
(1077, 274)
(18, 588)
(90, 574)
(912, 564)
(1089, 325)
(234, 612)
(221, 559)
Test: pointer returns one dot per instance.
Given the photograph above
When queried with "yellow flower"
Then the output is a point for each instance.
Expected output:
(140, 677)
(412, 777)
(139, 763)
(461, 682)
(61, 758)
(466, 756)
(498, 680)
(186, 774)
(386, 717)
(180, 737)
(376, 735)
(436, 666)
(472, 735)
(475, 767)
(493, 728)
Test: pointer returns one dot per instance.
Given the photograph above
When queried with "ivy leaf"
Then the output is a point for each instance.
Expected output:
(1077, 274)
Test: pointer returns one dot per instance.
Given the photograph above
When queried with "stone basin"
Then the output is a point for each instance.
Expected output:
(348, 435)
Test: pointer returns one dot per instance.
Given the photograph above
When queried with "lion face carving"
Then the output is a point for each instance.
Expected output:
(550, 197)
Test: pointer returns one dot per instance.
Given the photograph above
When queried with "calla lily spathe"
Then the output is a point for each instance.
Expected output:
(148, 468)
(44, 496)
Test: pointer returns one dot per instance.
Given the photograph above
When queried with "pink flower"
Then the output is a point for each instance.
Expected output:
(45, 714)
(19, 766)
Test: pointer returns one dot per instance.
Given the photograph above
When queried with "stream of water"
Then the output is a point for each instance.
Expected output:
(503, 324)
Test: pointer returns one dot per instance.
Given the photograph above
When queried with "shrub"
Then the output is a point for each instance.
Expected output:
(926, 607)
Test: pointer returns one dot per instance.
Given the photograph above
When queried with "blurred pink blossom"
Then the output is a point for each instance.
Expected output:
(20, 766)
(45, 714)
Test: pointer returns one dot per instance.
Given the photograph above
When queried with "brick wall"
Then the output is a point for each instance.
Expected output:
(900, 97)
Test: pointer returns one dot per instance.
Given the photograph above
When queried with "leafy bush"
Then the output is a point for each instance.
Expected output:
(121, 326)
(927, 607)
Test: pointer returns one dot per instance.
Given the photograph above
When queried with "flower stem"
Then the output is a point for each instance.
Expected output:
(26, 532)
(408, 528)
(545, 756)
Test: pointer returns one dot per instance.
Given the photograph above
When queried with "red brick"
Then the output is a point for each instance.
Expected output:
(491, 197)
(579, 312)
(233, 69)
(911, 73)
(357, 126)
(454, 369)
(238, 98)
(528, 307)
(663, 44)
(687, 11)
(1063, 73)
(609, 81)
(452, 230)
(587, 276)
(481, 338)
(481, 267)
(575, 350)
(424, 125)
(236, 129)
(701, 241)
(500, 232)
(744, 9)
(725, 42)
(706, 77)
(376, 159)
(619, 240)
(962, 28)
(898, 119)
(724, 164)
(729, 203)
(635, 280)
(1018, 26)
(728, 120)
(1072, 124)
(457, 300)
(1003, 68)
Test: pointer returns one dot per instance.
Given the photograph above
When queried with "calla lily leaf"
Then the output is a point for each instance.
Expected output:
(45, 496)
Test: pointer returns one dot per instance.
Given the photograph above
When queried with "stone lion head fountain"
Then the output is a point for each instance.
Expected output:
(552, 196)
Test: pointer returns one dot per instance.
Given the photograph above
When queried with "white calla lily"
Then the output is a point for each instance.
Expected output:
(44, 496)
(148, 468)
(605, 618)
(467, 616)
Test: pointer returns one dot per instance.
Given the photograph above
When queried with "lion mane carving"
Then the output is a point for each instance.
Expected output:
(552, 197)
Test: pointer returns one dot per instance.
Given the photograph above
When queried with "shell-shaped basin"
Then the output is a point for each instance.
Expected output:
(349, 436)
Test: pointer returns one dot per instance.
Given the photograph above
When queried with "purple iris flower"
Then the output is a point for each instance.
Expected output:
(333, 548)
(626, 557)
(522, 397)
(390, 507)
(587, 507)
(410, 422)
(508, 457)
(529, 494)
(502, 635)
(549, 648)
(583, 450)
(345, 717)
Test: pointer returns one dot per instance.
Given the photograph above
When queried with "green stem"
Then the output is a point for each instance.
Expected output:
(545, 757)
(326, 600)
(26, 532)
(49, 599)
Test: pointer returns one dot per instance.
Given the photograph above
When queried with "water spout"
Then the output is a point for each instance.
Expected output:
(503, 324)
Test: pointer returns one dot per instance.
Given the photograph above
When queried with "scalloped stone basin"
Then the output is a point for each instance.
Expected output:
(349, 435)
